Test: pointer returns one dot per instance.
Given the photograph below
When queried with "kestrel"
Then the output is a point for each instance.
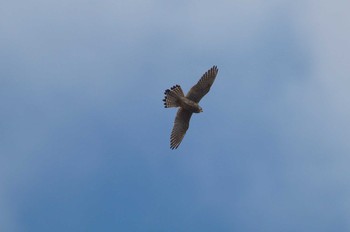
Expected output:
(174, 97)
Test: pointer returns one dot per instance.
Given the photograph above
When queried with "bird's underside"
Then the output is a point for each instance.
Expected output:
(174, 97)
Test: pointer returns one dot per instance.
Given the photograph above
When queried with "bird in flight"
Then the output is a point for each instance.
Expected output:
(174, 97)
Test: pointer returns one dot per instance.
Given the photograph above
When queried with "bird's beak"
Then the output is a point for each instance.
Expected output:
(201, 110)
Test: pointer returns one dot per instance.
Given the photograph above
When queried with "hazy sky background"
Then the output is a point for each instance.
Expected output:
(84, 141)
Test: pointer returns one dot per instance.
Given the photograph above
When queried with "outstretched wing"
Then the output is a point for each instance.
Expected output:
(181, 124)
(203, 86)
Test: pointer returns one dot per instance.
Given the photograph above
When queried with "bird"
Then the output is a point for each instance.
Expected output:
(174, 97)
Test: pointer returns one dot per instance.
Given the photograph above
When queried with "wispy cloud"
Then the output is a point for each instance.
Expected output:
(85, 135)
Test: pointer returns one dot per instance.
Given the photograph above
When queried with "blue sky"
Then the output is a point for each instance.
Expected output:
(84, 142)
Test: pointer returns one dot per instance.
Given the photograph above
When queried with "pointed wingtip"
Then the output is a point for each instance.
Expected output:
(174, 146)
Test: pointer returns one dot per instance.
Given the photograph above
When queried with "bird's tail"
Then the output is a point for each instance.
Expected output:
(172, 96)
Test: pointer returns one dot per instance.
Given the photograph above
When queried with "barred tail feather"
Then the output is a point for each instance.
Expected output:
(172, 96)
(177, 89)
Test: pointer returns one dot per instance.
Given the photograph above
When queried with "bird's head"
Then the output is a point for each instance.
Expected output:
(197, 109)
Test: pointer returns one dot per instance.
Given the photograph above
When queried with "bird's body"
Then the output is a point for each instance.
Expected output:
(189, 105)
(174, 97)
